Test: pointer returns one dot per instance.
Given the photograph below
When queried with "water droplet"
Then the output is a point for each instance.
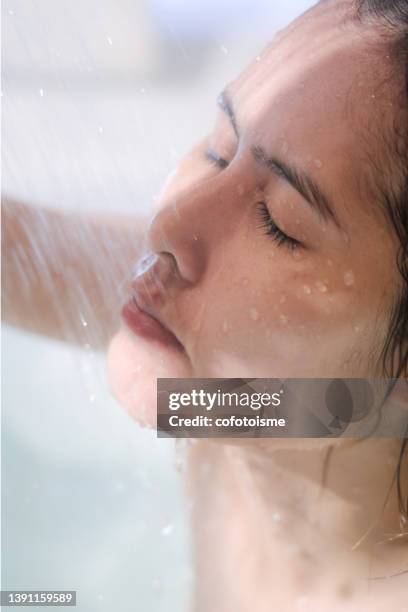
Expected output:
(276, 517)
(349, 278)
(318, 163)
(254, 314)
(157, 584)
(195, 237)
(83, 321)
(41, 92)
(11, 12)
(109, 40)
(92, 398)
(283, 319)
(321, 286)
(167, 529)
(224, 49)
(307, 289)
(285, 147)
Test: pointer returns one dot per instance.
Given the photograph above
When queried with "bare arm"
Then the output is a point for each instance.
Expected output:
(65, 275)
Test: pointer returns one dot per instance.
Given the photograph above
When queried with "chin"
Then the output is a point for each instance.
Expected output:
(134, 364)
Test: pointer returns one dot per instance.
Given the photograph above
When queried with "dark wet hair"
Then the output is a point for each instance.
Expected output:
(392, 16)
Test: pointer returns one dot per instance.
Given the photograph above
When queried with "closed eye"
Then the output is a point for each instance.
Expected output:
(214, 158)
(267, 222)
(273, 230)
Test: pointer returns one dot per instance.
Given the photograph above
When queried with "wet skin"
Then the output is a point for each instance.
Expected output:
(279, 289)
(312, 298)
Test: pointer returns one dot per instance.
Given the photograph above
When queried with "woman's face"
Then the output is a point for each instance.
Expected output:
(275, 260)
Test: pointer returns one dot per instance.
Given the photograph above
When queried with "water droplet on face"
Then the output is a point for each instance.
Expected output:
(283, 319)
(307, 289)
(297, 254)
(83, 321)
(318, 163)
(254, 314)
(321, 286)
(349, 278)
(285, 147)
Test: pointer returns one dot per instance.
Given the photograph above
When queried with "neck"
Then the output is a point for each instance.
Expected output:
(317, 517)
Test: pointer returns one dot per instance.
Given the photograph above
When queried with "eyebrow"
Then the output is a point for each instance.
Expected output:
(300, 180)
(225, 104)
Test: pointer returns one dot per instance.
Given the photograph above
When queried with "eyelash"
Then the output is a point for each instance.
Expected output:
(266, 220)
(273, 230)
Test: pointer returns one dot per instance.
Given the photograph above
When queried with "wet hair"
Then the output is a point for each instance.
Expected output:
(392, 18)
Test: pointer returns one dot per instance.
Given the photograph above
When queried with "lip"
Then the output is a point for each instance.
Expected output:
(147, 326)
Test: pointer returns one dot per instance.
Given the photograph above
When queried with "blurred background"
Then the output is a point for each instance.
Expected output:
(100, 98)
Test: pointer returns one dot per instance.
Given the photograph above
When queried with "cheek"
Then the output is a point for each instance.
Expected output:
(258, 327)
(134, 364)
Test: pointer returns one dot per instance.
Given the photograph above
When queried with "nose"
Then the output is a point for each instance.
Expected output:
(189, 225)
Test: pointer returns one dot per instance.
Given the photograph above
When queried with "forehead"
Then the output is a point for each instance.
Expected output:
(314, 94)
